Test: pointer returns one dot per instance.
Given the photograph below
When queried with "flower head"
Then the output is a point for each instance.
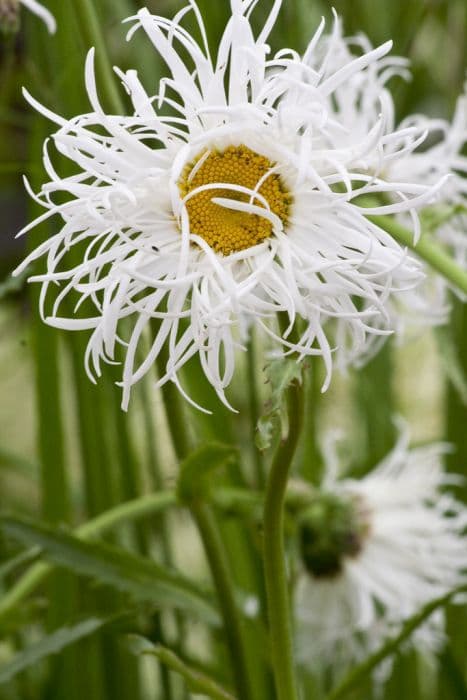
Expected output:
(420, 150)
(437, 157)
(374, 551)
(224, 196)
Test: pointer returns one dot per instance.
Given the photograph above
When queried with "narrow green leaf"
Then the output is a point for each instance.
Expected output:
(281, 373)
(51, 644)
(451, 361)
(196, 681)
(141, 578)
(359, 673)
(195, 469)
(7, 567)
(147, 506)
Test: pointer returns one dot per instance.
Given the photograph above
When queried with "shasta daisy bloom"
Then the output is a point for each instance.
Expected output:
(444, 156)
(355, 105)
(9, 14)
(374, 551)
(220, 198)
(438, 156)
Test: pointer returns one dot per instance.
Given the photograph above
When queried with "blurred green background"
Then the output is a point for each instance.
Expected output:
(64, 445)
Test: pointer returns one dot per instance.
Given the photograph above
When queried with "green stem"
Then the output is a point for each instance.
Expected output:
(197, 682)
(212, 542)
(253, 399)
(92, 35)
(160, 526)
(132, 510)
(219, 565)
(274, 552)
(311, 459)
(427, 249)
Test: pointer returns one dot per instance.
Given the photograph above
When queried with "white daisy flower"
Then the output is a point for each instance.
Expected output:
(356, 104)
(222, 196)
(376, 550)
(440, 155)
(444, 156)
(9, 13)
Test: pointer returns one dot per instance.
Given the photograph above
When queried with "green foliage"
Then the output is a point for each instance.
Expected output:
(53, 643)
(280, 373)
(144, 580)
(8, 567)
(196, 469)
(433, 217)
(195, 681)
(93, 464)
(451, 361)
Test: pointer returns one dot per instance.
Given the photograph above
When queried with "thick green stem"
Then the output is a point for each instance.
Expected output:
(274, 552)
(91, 31)
(132, 510)
(427, 249)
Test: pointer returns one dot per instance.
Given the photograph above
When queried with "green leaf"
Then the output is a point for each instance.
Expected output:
(197, 467)
(144, 580)
(451, 362)
(281, 373)
(51, 644)
(7, 567)
(392, 646)
(196, 681)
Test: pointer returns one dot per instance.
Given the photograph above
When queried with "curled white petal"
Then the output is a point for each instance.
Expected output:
(45, 15)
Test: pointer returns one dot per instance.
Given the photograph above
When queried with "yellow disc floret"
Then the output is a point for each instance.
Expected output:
(228, 230)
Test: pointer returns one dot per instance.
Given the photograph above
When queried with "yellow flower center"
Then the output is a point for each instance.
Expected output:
(225, 229)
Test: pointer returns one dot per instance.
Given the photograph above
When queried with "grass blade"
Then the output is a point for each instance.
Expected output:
(142, 579)
(53, 643)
